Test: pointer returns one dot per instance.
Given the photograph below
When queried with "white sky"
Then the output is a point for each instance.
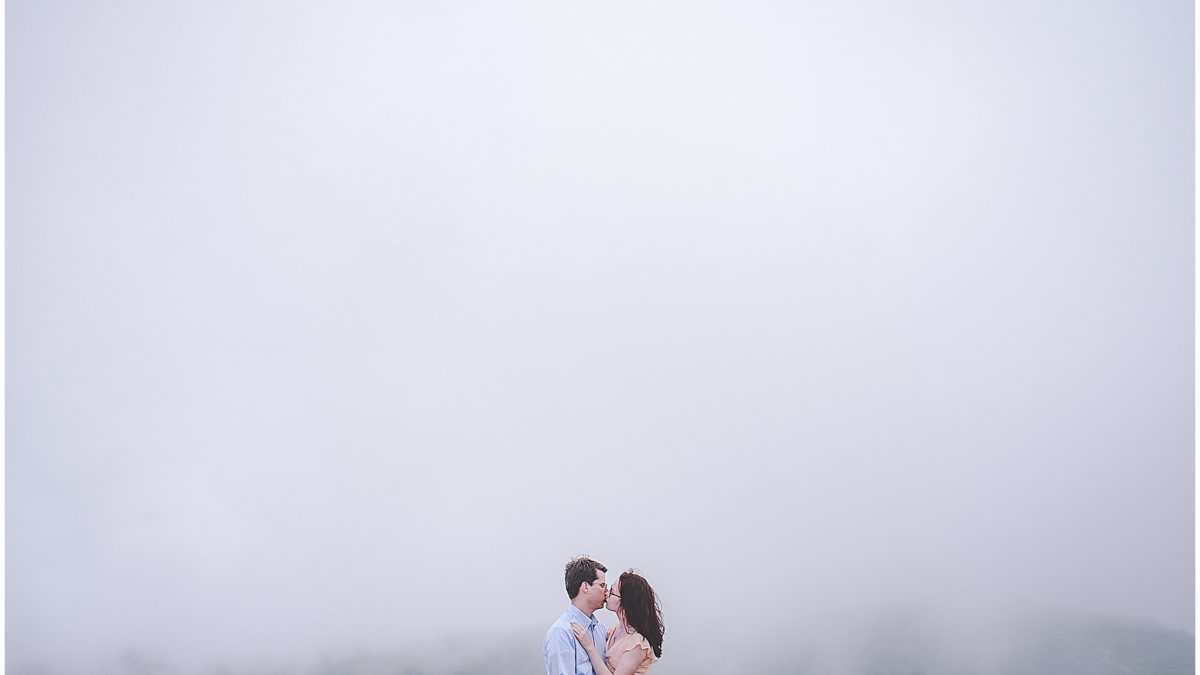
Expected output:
(331, 322)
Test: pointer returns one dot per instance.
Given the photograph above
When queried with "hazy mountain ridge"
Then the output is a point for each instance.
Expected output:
(1098, 645)
(894, 642)
(918, 642)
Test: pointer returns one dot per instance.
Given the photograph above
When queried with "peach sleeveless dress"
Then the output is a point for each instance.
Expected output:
(629, 641)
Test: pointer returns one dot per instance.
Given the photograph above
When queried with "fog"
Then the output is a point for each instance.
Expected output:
(336, 329)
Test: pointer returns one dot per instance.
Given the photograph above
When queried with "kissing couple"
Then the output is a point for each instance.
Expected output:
(578, 644)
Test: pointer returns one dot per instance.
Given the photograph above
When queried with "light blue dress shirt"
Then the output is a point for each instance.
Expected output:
(564, 655)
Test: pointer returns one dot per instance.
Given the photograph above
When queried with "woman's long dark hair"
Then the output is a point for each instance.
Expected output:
(641, 609)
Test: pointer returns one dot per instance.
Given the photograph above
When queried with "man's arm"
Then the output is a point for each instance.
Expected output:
(559, 650)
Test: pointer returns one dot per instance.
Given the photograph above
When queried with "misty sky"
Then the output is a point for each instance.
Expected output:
(330, 321)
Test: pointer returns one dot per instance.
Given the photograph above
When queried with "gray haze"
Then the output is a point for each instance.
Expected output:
(342, 326)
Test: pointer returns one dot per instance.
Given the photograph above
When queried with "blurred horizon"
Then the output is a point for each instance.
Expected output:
(1035, 641)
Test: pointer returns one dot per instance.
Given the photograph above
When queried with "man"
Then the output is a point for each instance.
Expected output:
(587, 590)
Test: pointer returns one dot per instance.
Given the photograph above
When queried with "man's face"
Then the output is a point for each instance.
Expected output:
(596, 592)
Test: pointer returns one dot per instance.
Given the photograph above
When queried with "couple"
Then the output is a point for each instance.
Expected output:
(578, 644)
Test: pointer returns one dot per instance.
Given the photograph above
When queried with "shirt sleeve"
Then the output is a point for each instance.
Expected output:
(559, 651)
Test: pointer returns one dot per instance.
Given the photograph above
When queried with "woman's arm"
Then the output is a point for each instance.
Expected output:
(627, 664)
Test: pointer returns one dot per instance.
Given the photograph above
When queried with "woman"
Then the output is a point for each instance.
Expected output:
(636, 641)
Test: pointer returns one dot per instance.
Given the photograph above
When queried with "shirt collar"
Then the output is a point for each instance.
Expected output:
(590, 620)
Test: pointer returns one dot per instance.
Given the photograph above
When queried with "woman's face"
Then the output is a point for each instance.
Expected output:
(614, 600)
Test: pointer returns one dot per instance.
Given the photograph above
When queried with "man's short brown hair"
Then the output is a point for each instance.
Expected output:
(581, 570)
